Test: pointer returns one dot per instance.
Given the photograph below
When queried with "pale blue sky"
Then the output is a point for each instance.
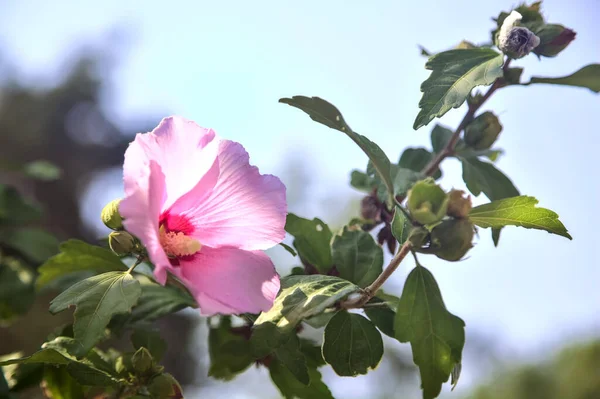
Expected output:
(225, 65)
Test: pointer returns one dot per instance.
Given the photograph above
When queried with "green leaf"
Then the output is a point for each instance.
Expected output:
(76, 256)
(150, 340)
(484, 177)
(518, 211)
(351, 344)
(454, 74)
(96, 300)
(291, 388)
(14, 208)
(436, 336)
(416, 159)
(323, 112)
(496, 236)
(401, 226)
(59, 384)
(42, 170)
(300, 297)
(35, 244)
(230, 354)
(289, 249)
(16, 290)
(312, 240)
(357, 256)
(440, 137)
(290, 355)
(157, 301)
(588, 77)
(382, 316)
(362, 181)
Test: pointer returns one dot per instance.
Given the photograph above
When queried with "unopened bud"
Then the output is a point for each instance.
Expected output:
(121, 242)
(458, 205)
(452, 239)
(142, 361)
(554, 38)
(427, 202)
(483, 131)
(111, 217)
(370, 208)
(516, 41)
(164, 386)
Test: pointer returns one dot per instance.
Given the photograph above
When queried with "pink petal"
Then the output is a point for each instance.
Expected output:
(141, 207)
(230, 281)
(184, 151)
(245, 209)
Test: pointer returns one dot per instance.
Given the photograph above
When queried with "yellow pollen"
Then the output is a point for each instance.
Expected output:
(178, 244)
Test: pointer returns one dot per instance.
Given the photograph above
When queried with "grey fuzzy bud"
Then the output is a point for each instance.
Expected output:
(520, 42)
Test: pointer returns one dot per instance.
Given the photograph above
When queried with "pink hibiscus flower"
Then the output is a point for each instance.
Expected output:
(204, 214)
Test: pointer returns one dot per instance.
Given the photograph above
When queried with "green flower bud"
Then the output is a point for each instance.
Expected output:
(427, 202)
(121, 242)
(554, 39)
(452, 239)
(164, 386)
(458, 206)
(483, 131)
(111, 217)
(142, 361)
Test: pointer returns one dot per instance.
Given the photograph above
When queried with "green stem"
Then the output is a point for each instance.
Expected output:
(139, 260)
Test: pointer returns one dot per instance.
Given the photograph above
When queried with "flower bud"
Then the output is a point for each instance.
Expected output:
(554, 38)
(458, 206)
(164, 386)
(427, 202)
(451, 239)
(483, 131)
(111, 217)
(516, 41)
(370, 208)
(121, 242)
(142, 361)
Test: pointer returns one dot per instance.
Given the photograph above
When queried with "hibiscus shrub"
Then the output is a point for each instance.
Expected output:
(196, 218)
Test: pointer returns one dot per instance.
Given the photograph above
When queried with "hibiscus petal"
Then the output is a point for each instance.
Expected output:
(184, 151)
(144, 197)
(230, 281)
(245, 209)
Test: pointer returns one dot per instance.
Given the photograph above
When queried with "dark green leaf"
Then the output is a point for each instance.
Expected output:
(76, 256)
(517, 211)
(323, 112)
(588, 77)
(512, 76)
(362, 181)
(454, 74)
(42, 170)
(496, 236)
(289, 249)
(312, 240)
(96, 300)
(291, 388)
(436, 336)
(230, 354)
(351, 344)
(14, 208)
(157, 301)
(16, 290)
(404, 179)
(150, 340)
(382, 316)
(416, 159)
(440, 137)
(484, 177)
(357, 256)
(88, 375)
(401, 226)
(59, 384)
(35, 244)
(290, 355)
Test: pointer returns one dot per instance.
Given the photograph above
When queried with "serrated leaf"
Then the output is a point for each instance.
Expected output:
(290, 355)
(76, 256)
(33, 243)
(59, 384)
(291, 388)
(416, 159)
(96, 300)
(326, 113)
(357, 256)
(351, 344)
(454, 74)
(157, 301)
(484, 177)
(517, 211)
(401, 226)
(496, 236)
(361, 181)
(230, 354)
(440, 137)
(587, 77)
(150, 340)
(436, 336)
(382, 316)
(14, 208)
(312, 240)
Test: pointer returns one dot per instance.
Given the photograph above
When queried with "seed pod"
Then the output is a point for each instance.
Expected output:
(483, 131)
(458, 205)
(164, 386)
(452, 239)
(516, 41)
(427, 202)
(554, 38)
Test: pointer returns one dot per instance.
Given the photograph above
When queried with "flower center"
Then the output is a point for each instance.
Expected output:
(177, 243)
